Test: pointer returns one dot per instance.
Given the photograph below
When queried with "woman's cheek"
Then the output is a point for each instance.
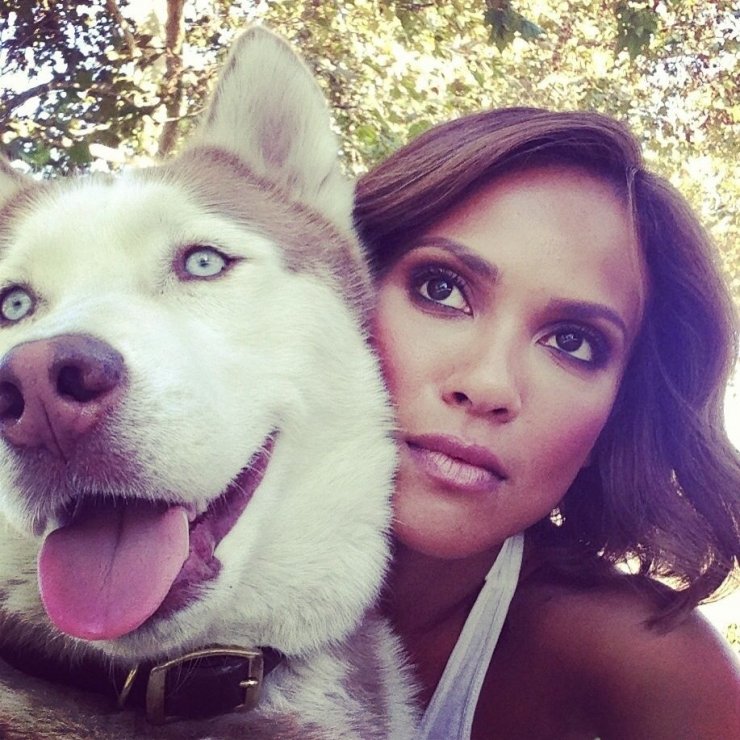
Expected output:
(569, 448)
(401, 342)
(392, 360)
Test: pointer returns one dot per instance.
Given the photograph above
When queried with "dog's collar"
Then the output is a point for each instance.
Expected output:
(203, 683)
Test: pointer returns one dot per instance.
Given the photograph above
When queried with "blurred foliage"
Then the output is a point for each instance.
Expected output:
(732, 635)
(95, 83)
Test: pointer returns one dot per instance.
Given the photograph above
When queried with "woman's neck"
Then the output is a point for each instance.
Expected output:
(427, 600)
(423, 592)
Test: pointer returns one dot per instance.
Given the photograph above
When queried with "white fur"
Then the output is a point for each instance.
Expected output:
(214, 366)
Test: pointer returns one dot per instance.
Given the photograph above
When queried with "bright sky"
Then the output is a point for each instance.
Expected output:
(732, 407)
(727, 611)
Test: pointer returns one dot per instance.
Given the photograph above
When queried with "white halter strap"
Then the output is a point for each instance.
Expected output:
(450, 713)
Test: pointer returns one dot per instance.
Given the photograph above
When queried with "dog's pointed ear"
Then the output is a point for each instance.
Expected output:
(269, 110)
(10, 180)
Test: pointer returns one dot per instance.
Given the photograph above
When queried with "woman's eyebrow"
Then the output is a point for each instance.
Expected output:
(580, 310)
(586, 311)
(482, 267)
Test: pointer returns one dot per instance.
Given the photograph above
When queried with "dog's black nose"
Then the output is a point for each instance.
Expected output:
(54, 391)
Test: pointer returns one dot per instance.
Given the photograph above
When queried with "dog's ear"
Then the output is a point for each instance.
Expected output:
(10, 180)
(268, 109)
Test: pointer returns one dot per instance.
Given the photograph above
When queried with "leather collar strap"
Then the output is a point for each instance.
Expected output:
(200, 684)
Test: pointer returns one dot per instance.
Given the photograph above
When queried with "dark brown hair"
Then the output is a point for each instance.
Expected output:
(664, 483)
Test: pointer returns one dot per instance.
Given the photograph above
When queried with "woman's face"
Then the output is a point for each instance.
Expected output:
(503, 333)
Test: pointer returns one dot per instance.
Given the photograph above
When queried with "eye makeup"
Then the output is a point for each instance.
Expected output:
(579, 343)
(442, 277)
(437, 286)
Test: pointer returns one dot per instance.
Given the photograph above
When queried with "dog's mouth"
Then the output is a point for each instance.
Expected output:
(118, 563)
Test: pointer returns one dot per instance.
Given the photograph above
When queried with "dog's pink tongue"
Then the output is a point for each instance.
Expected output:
(107, 572)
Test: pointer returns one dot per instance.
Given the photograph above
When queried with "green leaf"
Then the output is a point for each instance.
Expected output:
(506, 23)
(367, 134)
(498, 19)
(79, 153)
(529, 30)
(418, 127)
(636, 26)
(36, 155)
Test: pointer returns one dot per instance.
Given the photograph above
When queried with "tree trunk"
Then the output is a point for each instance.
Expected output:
(171, 88)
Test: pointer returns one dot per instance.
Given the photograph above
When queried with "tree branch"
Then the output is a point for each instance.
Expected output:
(124, 25)
(100, 91)
(32, 92)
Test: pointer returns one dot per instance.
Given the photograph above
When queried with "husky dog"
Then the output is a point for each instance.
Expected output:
(195, 443)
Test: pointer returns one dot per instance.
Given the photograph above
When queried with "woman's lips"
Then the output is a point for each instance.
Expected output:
(456, 464)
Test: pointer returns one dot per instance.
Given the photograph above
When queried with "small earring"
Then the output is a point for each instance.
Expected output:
(556, 517)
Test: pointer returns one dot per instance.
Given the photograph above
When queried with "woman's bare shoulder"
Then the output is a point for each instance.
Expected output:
(641, 681)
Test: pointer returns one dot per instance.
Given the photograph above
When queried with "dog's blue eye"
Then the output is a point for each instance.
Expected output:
(205, 262)
(15, 304)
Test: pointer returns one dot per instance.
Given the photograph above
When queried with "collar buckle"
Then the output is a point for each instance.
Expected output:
(204, 683)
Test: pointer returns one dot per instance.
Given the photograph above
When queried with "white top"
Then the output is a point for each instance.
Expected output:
(449, 715)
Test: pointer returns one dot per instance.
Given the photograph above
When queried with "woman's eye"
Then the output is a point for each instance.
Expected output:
(204, 262)
(579, 344)
(443, 288)
(15, 304)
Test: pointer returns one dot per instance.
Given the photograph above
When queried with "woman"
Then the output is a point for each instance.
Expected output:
(556, 339)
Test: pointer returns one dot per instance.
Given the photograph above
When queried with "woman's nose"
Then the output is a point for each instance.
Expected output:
(488, 384)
